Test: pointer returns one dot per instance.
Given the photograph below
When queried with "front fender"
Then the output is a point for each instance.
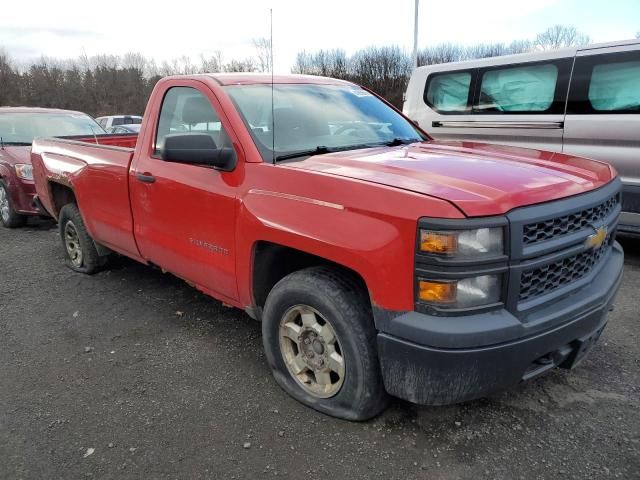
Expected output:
(378, 248)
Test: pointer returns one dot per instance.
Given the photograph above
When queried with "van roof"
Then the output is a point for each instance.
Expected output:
(542, 54)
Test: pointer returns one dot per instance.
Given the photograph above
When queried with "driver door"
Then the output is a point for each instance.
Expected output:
(185, 214)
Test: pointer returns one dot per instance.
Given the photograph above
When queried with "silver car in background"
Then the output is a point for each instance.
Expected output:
(583, 100)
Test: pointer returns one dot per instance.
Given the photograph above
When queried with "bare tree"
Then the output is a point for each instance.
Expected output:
(560, 36)
(520, 46)
(246, 65)
(134, 60)
(326, 63)
(263, 53)
(213, 63)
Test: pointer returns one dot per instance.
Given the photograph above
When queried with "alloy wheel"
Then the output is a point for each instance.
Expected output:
(72, 242)
(4, 204)
(311, 351)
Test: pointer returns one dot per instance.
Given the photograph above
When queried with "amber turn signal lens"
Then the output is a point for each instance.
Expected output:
(437, 292)
(438, 242)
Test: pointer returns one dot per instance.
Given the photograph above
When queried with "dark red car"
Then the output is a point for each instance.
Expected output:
(18, 127)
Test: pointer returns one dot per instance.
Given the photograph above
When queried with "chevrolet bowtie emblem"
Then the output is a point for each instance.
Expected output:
(597, 239)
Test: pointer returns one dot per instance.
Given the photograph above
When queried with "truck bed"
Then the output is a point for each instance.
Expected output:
(98, 175)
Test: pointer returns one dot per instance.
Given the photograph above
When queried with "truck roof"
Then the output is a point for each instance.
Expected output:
(265, 78)
(37, 110)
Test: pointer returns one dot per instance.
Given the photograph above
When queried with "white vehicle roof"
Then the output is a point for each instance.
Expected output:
(524, 57)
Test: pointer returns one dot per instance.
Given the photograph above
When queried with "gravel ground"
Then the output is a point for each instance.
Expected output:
(132, 374)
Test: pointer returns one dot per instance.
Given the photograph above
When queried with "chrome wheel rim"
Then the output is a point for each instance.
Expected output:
(311, 351)
(72, 242)
(4, 205)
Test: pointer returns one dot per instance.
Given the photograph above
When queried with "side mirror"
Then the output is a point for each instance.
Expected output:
(196, 149)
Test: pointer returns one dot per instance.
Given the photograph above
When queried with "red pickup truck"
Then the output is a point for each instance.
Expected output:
(378, 260)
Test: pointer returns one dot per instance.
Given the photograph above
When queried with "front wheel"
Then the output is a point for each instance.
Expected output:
(10, 218)
(320, 342)
(81, 254)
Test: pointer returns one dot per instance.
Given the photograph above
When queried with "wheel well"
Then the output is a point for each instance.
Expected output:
(273, 262)
(61, 195)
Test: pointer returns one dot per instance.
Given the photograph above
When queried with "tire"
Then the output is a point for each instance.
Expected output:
(332, 298)
(81, 254)
(8, 216)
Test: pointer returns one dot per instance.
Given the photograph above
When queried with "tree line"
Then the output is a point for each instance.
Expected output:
(110, 84)
(386, 70)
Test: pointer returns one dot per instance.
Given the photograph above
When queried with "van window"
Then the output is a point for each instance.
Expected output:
(606, 83)
(615, 86)
(448, 92)
(521, 89)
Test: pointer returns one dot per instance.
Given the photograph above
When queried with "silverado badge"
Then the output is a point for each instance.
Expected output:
(597, 239)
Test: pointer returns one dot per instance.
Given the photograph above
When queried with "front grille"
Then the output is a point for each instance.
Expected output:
(558, 226)
(544, 279)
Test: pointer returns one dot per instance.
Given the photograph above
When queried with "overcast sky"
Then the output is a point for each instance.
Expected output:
(163, 30)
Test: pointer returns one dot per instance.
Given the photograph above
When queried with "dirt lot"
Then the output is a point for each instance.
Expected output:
(133, 374)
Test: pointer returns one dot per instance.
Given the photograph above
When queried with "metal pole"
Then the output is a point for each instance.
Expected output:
(415, 37)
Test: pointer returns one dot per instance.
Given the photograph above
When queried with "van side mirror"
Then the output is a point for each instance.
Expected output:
(196, 149)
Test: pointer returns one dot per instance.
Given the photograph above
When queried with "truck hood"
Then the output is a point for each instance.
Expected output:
(480, 179)
(13, 154)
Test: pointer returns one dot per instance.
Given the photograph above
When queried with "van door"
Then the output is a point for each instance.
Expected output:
(511, 102)
(603, 118)
(439, 97)
(521, 104)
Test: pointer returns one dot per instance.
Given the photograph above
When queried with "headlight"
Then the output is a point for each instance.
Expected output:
(480, 242)
(24, 171)
(462, 293)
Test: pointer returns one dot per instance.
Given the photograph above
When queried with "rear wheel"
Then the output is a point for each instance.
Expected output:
(10, 218)
(320, 342)
(80, 251)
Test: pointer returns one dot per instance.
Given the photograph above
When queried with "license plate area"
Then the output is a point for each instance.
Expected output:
(569, 356)
(580, 349)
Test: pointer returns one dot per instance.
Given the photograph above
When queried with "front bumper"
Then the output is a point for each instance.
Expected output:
(442, 360)
(22, 194)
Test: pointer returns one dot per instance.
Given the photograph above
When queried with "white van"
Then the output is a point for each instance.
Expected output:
(115, 120)
(582, 100)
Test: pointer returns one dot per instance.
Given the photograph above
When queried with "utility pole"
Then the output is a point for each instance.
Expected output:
(415, 37)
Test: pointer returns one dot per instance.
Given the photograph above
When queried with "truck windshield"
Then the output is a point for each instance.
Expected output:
(311, 119)
(22, 128)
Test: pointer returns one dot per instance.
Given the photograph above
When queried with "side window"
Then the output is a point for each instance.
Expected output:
(184, 110)
(519, 89)
(448, 92)
(606, 83)
(117, 121)
(103, 122)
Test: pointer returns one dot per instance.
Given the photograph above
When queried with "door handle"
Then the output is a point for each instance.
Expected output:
(145, 177)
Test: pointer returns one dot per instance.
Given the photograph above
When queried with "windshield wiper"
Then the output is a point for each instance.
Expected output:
(396, 142)
(16, 144)
(319, 150)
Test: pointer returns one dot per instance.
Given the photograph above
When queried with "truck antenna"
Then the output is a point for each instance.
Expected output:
(273, 120)
(95, 137)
